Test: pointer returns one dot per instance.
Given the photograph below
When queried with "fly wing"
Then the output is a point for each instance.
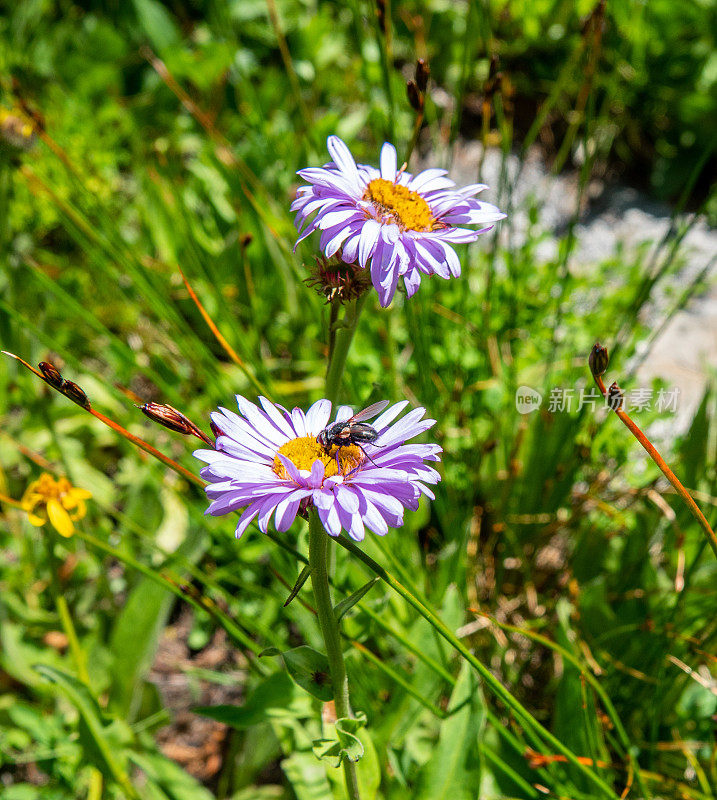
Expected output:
(370, 411)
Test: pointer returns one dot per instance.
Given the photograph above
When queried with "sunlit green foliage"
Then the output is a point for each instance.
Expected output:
(552, 523)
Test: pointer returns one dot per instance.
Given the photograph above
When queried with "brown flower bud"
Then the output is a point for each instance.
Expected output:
(614, 397)
(169, 417)
(415, 98)
(51, 373)
(598, 359)
(423, 73)
(71, 390)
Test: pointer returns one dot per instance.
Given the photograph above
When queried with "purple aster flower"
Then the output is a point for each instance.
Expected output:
(268, 462)
(402, 225)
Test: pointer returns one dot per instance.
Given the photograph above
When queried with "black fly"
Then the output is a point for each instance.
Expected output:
(353, 430)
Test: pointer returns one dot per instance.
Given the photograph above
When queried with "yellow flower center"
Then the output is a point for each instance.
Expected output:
(302, 452)
(400, 205)
(50, 489)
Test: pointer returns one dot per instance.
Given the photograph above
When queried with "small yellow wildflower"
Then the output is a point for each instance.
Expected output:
(56, 501)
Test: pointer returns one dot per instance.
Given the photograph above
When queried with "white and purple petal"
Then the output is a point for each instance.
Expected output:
(241, 470)
(353, 228)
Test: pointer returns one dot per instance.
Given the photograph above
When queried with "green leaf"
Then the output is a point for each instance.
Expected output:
(117, 735)
(260, 747)
(575, 718)
(300, 581)
(309, 669)
(137, 631)
(157, 23)
(368, 770)
(170, 777)
(18, 656)
(277, 697)
(348, 603)
(105, 744)
(307, 777)
(20, 791)
(345, 745)
(134, 642)
(450, 772)
(266, 792)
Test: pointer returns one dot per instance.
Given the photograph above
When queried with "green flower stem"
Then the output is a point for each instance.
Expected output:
(431, 663)
(333, 319)
(68, 627)
(495, 686)
(343, 336)
(318, 552)
(80, 658)
(63, 611)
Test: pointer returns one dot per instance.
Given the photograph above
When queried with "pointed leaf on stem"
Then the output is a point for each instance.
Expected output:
(300, 581)
(345, 745)
(340, 609)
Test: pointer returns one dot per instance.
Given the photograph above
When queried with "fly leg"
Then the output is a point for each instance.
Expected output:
(367, 455)
(338, 463)
(358, 466)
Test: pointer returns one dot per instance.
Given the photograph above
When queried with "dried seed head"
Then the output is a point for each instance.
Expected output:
(423, 73)
(336, 280)
(245, 240)
(598, 359)
(169, 417)
(614, 397)
(71, 390)
(51, 373)
(415, 98)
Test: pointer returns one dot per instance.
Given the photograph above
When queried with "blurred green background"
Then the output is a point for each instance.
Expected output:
(168, 135)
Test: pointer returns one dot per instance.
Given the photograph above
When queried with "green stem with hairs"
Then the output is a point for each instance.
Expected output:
(318, 554)
(343, 336)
